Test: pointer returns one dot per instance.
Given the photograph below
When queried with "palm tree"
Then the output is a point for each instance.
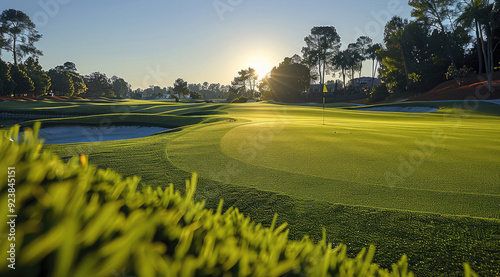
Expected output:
(341, 62)
(481, 13)
(363, 45)
(372, 53)
(471, 12)
(355, 59)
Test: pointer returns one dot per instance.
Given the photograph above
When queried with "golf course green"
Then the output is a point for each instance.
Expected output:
(422, 184)
(419, 162)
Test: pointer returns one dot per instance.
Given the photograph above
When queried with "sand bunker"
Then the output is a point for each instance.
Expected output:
(400, 109)
(75, 134)
(495, 101)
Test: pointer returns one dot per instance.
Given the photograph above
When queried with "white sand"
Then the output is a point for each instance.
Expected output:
(75, 134)
(400, 109)
(401, 100)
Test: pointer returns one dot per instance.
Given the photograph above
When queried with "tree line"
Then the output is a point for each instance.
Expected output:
(26, 77)
(445, 36)
(444, 39)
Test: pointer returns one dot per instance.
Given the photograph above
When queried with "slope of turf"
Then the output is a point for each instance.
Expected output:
(99, 107)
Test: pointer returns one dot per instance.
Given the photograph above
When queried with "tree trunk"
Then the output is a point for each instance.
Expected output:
(447, 44)
(360, 69)
(479, 52)
(405, 66)
(14, 49)
(343, 74)
(488, 57)
(324, 69)
(319, 69)
(490, 74)
(374, 69)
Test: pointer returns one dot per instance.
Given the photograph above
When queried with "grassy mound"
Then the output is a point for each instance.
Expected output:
(75, 220)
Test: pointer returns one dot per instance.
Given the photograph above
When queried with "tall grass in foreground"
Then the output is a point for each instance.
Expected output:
(76, 220)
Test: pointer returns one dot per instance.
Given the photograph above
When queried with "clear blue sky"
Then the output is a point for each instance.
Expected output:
(155, 42)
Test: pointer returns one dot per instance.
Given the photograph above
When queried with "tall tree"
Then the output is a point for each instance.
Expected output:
(78, 83)
(363, 45)
(265, 89)
(99, 85)
(372, 54)
(194, 87)
(441, 14)
(24, 85)
(394, 36)
(414, 56)
(252, 81)
(470, 18)
(342, 62)
(6, 83)
(289, 82)
(35, 72)
(68, 81)
(181, 87)
(21, 34)
(241, 79)
(355, 59)
(120, 87)
(485, 17)
(3, 40)
(61, 82)
(245, 76)
(68, 66)
(322, 44)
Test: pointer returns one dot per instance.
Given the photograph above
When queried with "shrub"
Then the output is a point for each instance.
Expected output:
(241, 99)
(77, 220)
(459, 75)
(379, 93)
(195, 95)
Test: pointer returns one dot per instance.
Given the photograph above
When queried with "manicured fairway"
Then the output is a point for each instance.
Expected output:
(268, 158)
(444, 162)
(437, 162)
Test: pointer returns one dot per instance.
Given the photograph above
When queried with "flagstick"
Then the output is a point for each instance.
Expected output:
(325, 90)
(324, 100)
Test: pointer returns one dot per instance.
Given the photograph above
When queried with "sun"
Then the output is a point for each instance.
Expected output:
(261, 66)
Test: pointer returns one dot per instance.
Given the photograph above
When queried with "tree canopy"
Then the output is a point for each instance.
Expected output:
(289, 82)
(181, 87)
(66, 80)
(98, 85)
(20, 33)
(38, 76)
(23, 83)
(6, 83)
(120, 87)
(322, 44)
